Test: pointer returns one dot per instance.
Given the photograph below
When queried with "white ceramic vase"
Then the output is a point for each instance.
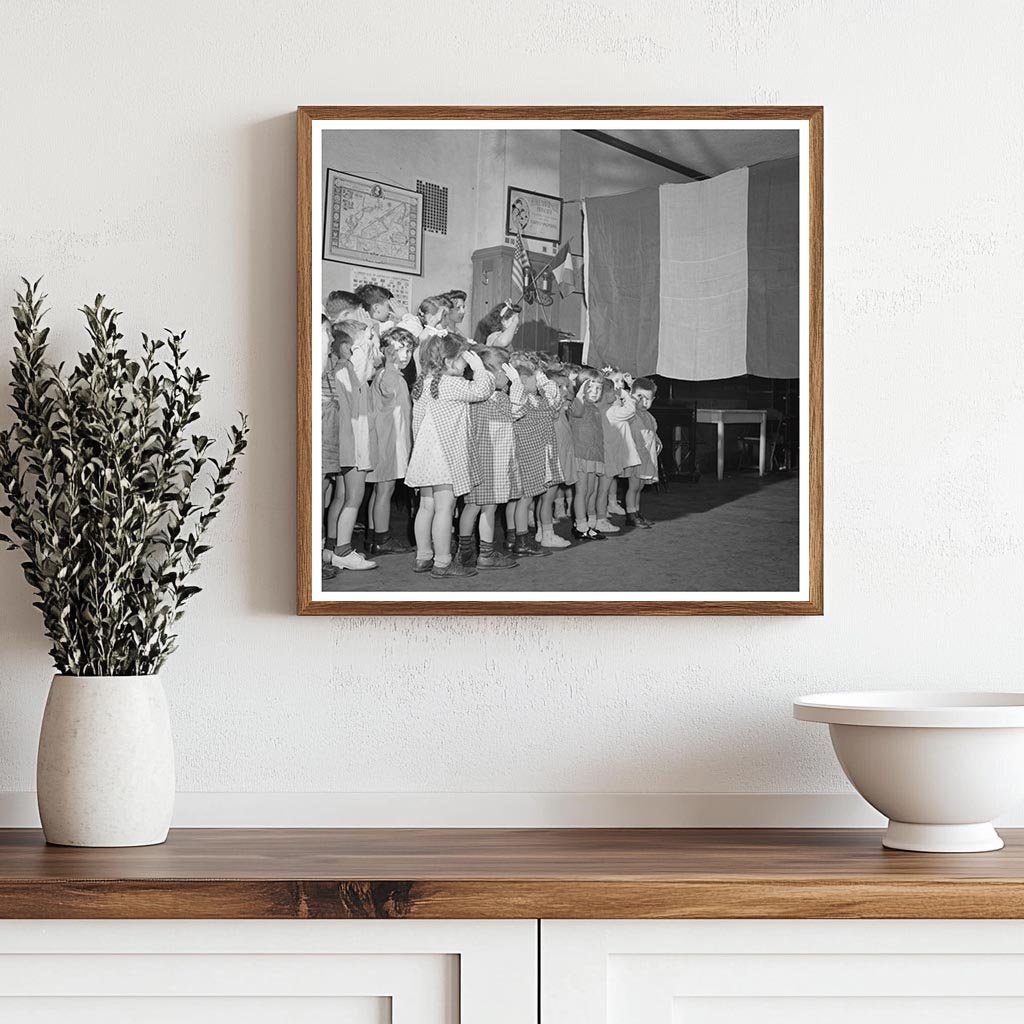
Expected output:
(105, 771)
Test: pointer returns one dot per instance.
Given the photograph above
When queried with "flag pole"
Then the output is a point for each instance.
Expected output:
(526, 252)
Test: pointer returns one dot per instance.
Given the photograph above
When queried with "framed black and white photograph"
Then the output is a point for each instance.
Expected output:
(585, 378)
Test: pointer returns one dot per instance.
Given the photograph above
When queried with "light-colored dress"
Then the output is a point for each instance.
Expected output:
(644, 428)
(440, 428)
(494, 444)
(391, 417)
(619, 449)
(356, 438)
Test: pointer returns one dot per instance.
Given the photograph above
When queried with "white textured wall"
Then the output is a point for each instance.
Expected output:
(148, 150)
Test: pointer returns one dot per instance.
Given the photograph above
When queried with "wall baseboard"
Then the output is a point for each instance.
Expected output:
(503, 810)
(496, 810)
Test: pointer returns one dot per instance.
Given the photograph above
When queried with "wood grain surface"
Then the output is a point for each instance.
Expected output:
(517, 873)
(306, 605)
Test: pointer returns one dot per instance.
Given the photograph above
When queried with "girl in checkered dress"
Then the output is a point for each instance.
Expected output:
(493, 442)
(440, 465)
(536, 453)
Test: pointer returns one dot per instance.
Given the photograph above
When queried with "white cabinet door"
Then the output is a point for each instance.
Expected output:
(257, 972)
(782, 972)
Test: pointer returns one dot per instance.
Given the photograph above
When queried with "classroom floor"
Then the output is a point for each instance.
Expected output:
(740, 535)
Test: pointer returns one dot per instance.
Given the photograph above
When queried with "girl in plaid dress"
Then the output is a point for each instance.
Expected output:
(440, 465)
(491, 425)
(535, 450)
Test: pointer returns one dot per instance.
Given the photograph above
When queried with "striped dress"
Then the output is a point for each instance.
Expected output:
(440, 431)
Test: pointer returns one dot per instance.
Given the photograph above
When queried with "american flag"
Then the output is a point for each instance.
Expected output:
(522, 275)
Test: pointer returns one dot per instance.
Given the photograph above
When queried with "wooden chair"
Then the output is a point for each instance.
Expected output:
(750, 446)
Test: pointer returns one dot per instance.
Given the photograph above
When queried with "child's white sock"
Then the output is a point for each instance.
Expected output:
(591, 522)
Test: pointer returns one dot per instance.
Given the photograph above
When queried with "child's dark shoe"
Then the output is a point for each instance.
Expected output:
(453, 569)
(637, 520)
(389, 546)
(466, 556)
(592, 534)
(496, 560)
(526, 545)
(423, 565)
(580, 534)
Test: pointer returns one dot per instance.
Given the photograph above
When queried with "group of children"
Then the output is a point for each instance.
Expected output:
(481, 435)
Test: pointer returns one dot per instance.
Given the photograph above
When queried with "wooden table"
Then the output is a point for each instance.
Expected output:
(517, 873)
(723, 416)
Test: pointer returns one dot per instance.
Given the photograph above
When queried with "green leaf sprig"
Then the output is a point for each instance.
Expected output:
(108, 494)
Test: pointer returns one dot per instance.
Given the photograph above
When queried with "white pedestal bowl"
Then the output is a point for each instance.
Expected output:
(939, 766)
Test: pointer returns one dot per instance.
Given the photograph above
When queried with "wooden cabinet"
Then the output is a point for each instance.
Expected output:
(773, 972)
(510, 926)
(258, 972)
(492, 283)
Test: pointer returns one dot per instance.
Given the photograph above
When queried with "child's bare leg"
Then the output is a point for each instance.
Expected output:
(380, 506)
(547, 506)
(487, 515)
(467, 521)
(333, 511)
(633, 488)
(422, 528)
(604, 486)
(591, 497)
(510, 521)
(441, 528)
(522, 514)
(369, 497)
(579, 501)
(548, 538)
(355, 484)
(467, 524)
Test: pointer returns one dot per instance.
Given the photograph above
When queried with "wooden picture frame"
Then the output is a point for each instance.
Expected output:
(810, 120)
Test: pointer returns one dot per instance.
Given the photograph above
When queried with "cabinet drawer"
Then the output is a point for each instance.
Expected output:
(251, 972)
(774, 972)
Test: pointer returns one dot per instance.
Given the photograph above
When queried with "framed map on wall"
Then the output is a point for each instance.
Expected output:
(372, 224)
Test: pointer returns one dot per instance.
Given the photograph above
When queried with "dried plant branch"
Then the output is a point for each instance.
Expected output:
(108, 494)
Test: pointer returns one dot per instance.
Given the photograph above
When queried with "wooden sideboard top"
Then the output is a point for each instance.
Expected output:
(507, 873)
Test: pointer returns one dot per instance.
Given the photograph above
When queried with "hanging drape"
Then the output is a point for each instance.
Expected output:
(698, 281)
